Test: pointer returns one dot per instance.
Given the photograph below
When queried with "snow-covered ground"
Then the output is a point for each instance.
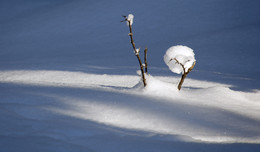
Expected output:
(68, 77)
(40, 108)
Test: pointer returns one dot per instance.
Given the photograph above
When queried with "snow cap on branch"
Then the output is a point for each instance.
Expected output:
(137, 51)
(130, 18)
(177, 57)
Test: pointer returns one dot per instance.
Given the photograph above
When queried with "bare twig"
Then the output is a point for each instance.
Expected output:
(145, 60)
(135, 50)
(184, 74)
(191, 66)
(180, 64)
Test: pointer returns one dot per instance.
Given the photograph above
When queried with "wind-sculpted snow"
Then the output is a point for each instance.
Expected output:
(211, 112)
(68, 81)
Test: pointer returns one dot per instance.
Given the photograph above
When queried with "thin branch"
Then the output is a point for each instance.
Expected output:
(191, 67)
(180, 64)
(135, 50)
(145, 60)
(124, 19)
(184, 74)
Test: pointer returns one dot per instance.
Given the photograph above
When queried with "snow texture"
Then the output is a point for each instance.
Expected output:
(113, 106)
(137, 51)
(130, 18)
(179, 55)
(68, 80)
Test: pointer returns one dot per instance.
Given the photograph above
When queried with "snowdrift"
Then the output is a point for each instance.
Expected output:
(202, 112)
(67, 78)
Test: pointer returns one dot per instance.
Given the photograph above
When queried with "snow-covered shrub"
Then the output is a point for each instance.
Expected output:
(180, 59)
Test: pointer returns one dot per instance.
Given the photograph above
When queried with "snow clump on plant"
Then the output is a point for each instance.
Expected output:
(130, 18)
(179, 58)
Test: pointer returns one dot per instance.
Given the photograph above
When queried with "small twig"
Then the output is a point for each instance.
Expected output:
(184, 74)
(124, 19)
(191, 67)
(145, 60)
(135, 50)
(180, 64)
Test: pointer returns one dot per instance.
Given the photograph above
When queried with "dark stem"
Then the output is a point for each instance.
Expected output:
(145, 60)
(136, 53)
(182, 80)
(184, 75)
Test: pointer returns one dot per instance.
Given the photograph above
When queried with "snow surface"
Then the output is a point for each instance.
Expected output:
(179, 55)
(44, 105)
(68, 79)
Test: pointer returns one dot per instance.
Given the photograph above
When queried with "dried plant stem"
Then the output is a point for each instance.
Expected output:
(182, 80)
(184, 75)
(145, 60)
(136, 52)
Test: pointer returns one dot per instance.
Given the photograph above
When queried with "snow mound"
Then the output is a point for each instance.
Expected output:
(158, 87)
(179, 55)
